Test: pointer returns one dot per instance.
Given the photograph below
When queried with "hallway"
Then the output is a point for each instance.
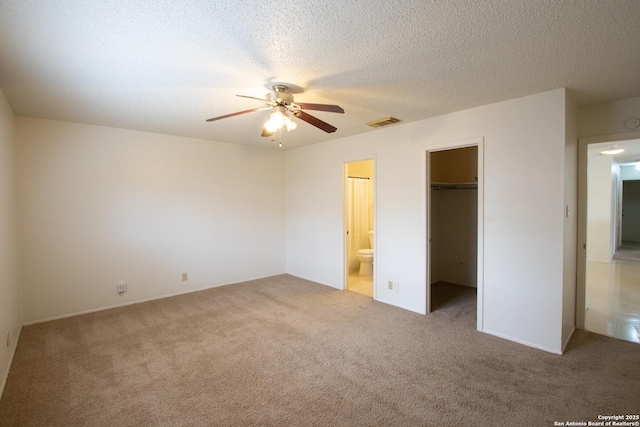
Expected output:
(613, 298)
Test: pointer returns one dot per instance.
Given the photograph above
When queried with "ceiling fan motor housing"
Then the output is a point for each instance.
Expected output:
(280, 95)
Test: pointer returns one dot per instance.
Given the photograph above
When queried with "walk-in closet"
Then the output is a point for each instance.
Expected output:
(453, 226)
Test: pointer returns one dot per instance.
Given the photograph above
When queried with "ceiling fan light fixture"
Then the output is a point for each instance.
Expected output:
(613, 149)
(275, 122)
(290, 124)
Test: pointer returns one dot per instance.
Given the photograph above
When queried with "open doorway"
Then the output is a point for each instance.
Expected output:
(609, 301)
(359, 208)
(454, 228)
(630, 223)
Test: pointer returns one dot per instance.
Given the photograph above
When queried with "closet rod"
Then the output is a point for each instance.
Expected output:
(471, 186)
(358, 177)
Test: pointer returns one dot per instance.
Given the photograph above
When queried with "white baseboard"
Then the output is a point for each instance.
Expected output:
(109, 307)
(404, 307)
(523, 342)
(317, 281)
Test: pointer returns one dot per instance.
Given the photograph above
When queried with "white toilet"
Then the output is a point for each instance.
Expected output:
(366, 258)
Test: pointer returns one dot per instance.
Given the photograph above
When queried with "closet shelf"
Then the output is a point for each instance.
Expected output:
(454, 186)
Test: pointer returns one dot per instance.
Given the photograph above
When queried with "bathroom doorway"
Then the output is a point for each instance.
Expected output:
(454, 228)
(359, 209)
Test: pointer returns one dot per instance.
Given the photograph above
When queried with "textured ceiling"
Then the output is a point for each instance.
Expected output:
(166, 66)
(630, 155)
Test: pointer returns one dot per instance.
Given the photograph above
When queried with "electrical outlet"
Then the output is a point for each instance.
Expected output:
(632, 123)
(122, 288)
(390, 285)
(185, 277)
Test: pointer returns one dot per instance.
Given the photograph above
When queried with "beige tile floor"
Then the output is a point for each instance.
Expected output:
(613, 299)
(360, 284)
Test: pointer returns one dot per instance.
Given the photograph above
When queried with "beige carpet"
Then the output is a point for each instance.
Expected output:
(287, 352)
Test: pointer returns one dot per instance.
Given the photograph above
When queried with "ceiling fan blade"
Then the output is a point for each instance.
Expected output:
(321, 107)
(315, 121)
(213, 119)
(266, 132)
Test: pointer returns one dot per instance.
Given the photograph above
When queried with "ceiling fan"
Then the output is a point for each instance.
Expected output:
(282, 103)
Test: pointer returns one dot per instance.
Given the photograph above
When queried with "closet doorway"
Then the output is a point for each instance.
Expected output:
(454, 230)
(359, 211)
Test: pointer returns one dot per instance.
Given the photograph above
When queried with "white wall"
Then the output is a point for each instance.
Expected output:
(601, 192)
(629, 173)
(10, 316)
(607, 118)
(524, 206)
(100, 205)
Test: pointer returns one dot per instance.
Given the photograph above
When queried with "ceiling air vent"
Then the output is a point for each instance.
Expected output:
(383, 122)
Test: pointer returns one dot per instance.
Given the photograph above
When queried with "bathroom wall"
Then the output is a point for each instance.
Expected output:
(362, 168)
(100, 205)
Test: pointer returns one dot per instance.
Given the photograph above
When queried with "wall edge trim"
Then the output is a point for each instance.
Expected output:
(13, 353)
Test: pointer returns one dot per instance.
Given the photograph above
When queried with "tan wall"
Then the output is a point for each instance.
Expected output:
(455, 166)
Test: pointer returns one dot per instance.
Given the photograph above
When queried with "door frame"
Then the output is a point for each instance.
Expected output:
(581, 274)
(479, 142)
(345, 220)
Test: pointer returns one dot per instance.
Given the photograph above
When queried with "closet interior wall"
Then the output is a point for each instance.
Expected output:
(454, 216)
